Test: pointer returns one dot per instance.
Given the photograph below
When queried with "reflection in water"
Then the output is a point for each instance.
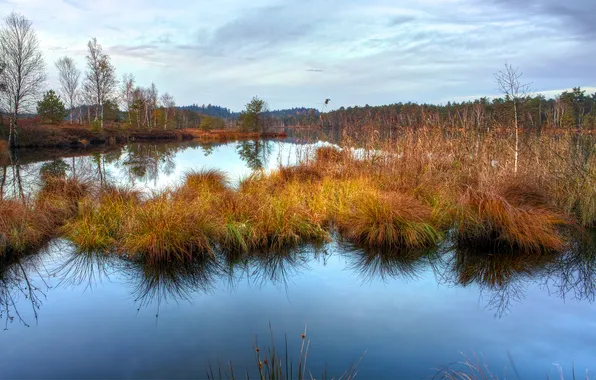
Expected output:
(372, 264)
(264, 268)
(86, 269)
(503, 275)
(573, 274)
(20, 294)
(254, 152)
(145, 162)
(156, 283)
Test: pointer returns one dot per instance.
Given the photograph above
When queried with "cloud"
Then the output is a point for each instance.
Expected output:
(295, 53)
(575, 16)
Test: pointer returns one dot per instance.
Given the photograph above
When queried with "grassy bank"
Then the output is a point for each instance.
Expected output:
(32, 135)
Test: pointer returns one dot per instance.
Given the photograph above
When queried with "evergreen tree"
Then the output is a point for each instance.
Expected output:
(51, 108)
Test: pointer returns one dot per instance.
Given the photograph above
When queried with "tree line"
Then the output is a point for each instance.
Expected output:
(571, 109)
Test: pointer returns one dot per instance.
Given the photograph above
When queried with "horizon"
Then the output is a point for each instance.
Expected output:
(296, 54)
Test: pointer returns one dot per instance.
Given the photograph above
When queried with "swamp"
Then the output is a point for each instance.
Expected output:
(401, 256)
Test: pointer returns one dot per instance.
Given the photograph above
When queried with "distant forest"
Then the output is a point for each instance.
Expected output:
(570, 109)
(225, 113)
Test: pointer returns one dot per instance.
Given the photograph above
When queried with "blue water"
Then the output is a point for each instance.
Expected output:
(73, 316)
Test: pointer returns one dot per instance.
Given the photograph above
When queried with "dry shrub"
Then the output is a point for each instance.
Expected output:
(515, 215)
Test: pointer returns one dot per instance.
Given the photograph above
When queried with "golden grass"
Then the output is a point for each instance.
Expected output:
(400, 193)
(389, 220)
(162, 229)
(98, 225)
(27, 224)
(515, 214)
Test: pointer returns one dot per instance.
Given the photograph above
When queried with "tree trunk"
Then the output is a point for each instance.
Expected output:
(101, 120)
(516, 137)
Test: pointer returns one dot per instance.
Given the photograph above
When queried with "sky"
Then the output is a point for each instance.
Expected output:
(295, 53)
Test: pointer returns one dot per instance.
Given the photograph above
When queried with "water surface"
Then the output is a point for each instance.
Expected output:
(68, 315)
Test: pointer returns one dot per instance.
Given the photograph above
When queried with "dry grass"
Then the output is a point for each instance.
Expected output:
(162, 229)
(399, 193)
(99, 223)
(389, 220)
(27, 224)
(515, 215)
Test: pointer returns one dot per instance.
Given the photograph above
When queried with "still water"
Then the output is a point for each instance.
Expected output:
(67, 315)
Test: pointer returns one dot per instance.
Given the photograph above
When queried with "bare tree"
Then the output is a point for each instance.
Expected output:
(100, 80)
(509, 83)
(153, 96)
(167, 102)
(24, 73)
(127, 98)
(69, 77)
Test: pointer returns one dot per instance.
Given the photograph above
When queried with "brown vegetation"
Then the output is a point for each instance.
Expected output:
(33, 134)
(27, 224)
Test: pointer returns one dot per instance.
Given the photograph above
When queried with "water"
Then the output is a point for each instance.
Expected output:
(71, 316)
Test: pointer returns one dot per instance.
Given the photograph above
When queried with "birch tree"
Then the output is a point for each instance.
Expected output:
(24, 73)
(167, 102)
(100, 79)
(127, 95)
(509, 83)
(69, 77)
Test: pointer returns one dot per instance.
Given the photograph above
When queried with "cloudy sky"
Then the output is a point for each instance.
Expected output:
(299, 52)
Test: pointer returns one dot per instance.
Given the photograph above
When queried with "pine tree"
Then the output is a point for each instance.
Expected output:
(51, 108)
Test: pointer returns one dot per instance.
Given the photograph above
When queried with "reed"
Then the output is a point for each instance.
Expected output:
(27, 224)
(389, 220)
(162, 229)
(275, 364)
(514, 215)
(98, 225)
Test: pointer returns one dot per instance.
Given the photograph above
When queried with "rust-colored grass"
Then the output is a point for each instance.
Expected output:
(515, 215)
(27, 224)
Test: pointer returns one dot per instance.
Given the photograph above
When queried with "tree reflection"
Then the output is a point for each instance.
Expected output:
(255, 153)
(18, 278)
(146, 162)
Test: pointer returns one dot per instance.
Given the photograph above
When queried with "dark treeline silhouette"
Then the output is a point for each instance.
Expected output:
(571, 109)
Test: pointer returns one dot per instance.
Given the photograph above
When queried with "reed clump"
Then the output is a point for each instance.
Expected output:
(514, 215)
(98, 225)
(27, 223)
(389, 220)
(258, 218)
(165, 229)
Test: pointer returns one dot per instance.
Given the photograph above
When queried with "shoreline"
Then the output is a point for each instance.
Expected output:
(83, 136)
